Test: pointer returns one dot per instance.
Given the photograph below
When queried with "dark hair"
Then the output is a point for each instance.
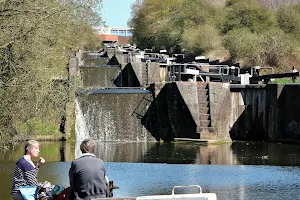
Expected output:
(88, 146)
(28, 144)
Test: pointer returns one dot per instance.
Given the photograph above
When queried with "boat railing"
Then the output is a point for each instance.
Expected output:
(186, 186)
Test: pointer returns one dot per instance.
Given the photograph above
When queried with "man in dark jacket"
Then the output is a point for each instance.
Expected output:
(87, 174)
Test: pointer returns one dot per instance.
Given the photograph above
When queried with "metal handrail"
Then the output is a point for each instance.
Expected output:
(186, 186)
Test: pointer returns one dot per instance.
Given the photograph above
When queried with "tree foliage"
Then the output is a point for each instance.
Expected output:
(288, 18)
(166, 24)
(201, 39)
(151, 22)
(37, 39)
(247, 14)
(252, 30)
(252, 35)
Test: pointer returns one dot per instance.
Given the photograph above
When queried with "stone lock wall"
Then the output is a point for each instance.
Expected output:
(265, 112)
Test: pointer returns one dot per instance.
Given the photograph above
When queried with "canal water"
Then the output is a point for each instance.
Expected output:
(239, 170)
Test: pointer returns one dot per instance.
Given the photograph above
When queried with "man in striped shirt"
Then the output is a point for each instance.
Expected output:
(26, 171)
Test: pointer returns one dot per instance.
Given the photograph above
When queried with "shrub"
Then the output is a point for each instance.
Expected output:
(201, 39)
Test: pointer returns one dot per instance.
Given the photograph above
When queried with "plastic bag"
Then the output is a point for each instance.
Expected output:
(64, 195)
(28, 192)
(57, 189)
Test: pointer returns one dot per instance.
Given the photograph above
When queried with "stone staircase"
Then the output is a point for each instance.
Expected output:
(145, 75)
(205, 130)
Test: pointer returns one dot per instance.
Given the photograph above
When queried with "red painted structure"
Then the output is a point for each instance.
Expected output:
(120, 39)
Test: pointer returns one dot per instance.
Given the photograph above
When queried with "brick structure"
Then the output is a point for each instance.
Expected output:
(120, 39)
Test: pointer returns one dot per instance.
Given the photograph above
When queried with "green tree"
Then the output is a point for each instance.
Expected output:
(244, 46)
(141, 27)
(270, 48)
(288, 18)
(167, 24)
(37, 39)
(252, 31)
(247, 14)
(151, 20)
(201, 39)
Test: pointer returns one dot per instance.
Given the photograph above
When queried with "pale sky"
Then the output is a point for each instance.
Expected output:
(116, 13)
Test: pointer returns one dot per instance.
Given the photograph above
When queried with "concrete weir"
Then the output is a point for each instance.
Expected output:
(109, 115)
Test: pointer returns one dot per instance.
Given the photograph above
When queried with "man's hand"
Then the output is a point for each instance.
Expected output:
(41, 161)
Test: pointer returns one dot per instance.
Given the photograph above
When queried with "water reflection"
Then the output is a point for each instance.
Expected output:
(233, 171)
(62, 151)
(261, 153)
(237, 153)
(51, 151)
(171, 153)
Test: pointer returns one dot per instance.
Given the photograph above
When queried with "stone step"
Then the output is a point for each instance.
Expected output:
(203, 96)
(204, 123)
(202, 85)
(204, 117)
(203, 104)
(203, 99)
(207, 133)
(144, 76)
(204, 141)
(200, 91)
(206, 129)
(203, 110)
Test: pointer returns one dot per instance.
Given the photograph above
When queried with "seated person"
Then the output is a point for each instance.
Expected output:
(87, 174)
(26, 171)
